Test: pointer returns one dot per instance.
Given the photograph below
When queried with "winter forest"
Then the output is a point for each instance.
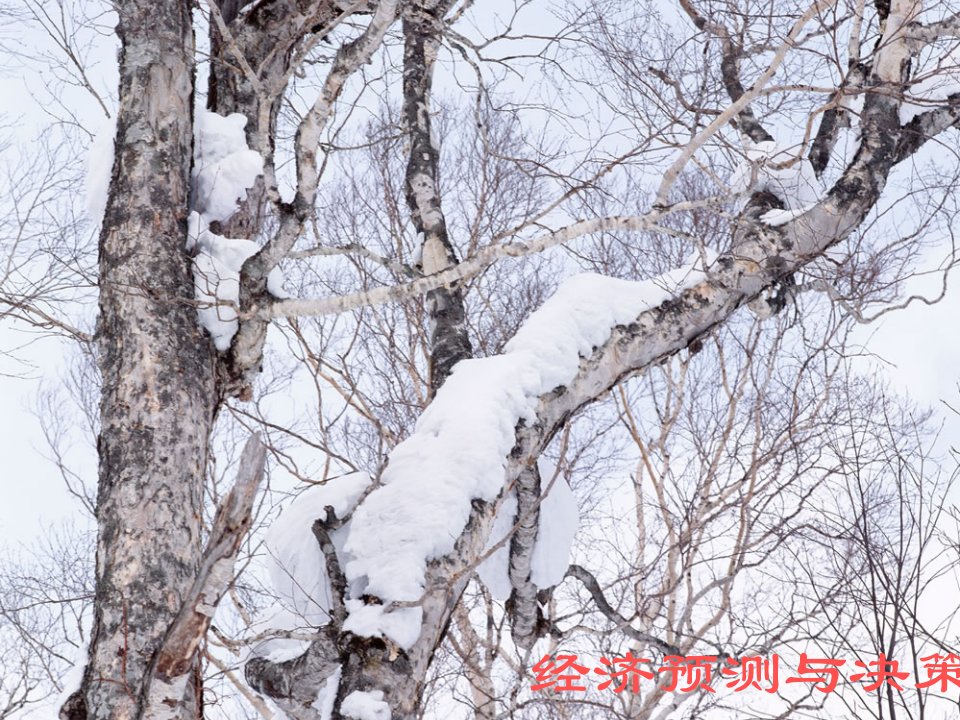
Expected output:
(479, 359)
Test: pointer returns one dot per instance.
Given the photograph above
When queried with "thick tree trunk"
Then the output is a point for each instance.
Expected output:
(159, 396)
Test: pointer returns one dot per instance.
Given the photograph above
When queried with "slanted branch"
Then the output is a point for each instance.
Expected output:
(166, 683)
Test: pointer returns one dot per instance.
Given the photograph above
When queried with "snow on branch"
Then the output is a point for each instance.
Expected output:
(224, 169)
(365, 705)
(783, 171)
(216, 272)
(297, 565)
(460, 447)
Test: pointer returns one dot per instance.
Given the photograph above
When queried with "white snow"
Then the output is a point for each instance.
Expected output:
(775, 218)
(296, 564)
(494, 572)
(224, 168)
(283, 635)
(459, 448)
(71, 680)
(558, 521)
(402, 625)
(327, 695)
(782, 170)
(100, 170)
(216, 274)
(367, 705)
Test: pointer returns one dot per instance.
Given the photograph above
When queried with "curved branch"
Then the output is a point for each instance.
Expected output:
(619, 622)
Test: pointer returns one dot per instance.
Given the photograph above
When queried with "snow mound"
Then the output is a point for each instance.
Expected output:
(401, 625)
(296, 564)
(224, 167)
(459, 448)
(216, 274)
(367, 705)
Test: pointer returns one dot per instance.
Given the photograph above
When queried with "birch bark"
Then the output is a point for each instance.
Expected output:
(159, 396)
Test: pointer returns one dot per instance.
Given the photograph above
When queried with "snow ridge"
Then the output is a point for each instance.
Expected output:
(460, 446)
(224, 169)
(297, 567)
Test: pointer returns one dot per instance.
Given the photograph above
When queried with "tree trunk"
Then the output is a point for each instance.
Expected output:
(449, 342)
(159, 396)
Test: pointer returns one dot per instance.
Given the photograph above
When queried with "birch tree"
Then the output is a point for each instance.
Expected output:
(652, 129)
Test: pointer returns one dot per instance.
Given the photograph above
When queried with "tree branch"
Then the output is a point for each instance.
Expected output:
(449, 342)
(524, 609)
(247, 348)
(163, 690)
(738, 105)
(322, 527)
(619, 622)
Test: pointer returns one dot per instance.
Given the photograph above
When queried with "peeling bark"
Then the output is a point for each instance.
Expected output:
(449, 342)
(159, 397)
(167, 678)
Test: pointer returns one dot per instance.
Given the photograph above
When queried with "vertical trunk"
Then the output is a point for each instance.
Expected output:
(449, 342)
(159, 396)
(231, 91)
(523, 606)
